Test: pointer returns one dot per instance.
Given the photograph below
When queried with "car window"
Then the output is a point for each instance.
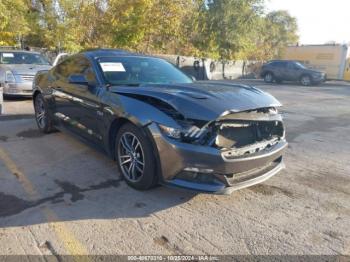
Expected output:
(62, 69)
(78, 65)
(61, 58)
(299, 65)
(292, 65)
(14, 58)
(278, 64)
(140, 70)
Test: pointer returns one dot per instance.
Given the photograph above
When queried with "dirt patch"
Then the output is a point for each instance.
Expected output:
(30, 133)
(3, 138)
(268, 190)
(70, 189)
(164, 242)
(333, 234)
(318, 124)
(11, 205)
(325, 181)
(140, 205)
(16, 175)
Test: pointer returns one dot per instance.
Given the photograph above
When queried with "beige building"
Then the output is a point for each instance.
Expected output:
(332, 59)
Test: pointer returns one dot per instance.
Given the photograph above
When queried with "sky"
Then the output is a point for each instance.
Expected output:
(319, 21)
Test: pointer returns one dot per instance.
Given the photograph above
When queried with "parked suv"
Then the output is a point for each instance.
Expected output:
(283, 70)
(17, 71)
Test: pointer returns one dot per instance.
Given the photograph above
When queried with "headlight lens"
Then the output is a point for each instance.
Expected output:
(10, 78)
(188, 134)
(170, 131)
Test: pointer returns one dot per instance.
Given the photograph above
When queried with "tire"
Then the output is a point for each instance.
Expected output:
(268, 77)
(306, 80)
(135, 157)
(42, 117)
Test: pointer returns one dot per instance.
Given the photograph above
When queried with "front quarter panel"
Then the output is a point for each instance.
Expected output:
(136, 111)
(42, 85)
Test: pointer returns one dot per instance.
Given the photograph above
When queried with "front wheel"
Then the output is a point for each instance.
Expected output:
(268, 78)
(306, 80)
(135, 157)
(42, 117)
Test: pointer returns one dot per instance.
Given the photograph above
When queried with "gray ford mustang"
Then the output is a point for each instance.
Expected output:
(159, 125)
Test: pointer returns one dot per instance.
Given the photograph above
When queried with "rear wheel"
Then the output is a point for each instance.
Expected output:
(42, 116)
(268, 78)
(135, 157)
(306, 80)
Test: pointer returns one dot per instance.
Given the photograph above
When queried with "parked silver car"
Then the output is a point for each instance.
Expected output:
(17, 71)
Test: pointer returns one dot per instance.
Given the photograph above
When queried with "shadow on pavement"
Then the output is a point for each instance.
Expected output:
(77, 182)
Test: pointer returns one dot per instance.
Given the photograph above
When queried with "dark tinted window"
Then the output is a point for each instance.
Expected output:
(278, 64)
(78, 65)
(298, 65)
(61, 70)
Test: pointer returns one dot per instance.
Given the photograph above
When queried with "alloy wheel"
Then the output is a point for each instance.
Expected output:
(131, 157)
(305, 81)
(40, 112)
(268, 78)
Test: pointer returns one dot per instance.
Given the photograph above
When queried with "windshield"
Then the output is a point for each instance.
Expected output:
(130, 70)
(15, 58)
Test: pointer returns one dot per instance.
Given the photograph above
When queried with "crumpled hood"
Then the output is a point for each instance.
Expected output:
(205, 100)
(26, 69)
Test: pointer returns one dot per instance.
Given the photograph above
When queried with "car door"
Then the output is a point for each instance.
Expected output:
(59, 85)
(280, 70)
(86, 101)
(296, 71)
(290, 71)
(78, 104)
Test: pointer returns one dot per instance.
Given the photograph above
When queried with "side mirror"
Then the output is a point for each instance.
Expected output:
(193, 78)
(78, 80)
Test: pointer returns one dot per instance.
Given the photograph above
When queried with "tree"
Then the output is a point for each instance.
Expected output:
(279, 29)
(220, 29)
(13, 24)
(227, 25)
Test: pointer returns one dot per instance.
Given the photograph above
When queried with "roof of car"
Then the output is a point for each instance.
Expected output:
(18, 51)
(105, 52)
(281, 60)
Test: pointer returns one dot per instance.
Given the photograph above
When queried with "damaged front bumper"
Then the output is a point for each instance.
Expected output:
(210, 169)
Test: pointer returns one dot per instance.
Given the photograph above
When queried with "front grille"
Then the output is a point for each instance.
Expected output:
(27, 78)
(238, 134)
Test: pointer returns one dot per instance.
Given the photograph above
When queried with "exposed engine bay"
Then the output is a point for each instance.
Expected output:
(238, 134)
(234, 133)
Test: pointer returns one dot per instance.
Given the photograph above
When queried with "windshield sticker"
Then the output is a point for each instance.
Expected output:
(8, 55)
(112, 67)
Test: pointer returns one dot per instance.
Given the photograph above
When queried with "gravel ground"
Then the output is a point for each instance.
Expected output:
(61, 196)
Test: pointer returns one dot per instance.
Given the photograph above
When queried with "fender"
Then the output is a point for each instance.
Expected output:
(138, 112)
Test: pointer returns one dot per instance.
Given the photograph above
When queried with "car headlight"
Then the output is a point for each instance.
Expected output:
(170, 131)
(9, 77)
(188, 134)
